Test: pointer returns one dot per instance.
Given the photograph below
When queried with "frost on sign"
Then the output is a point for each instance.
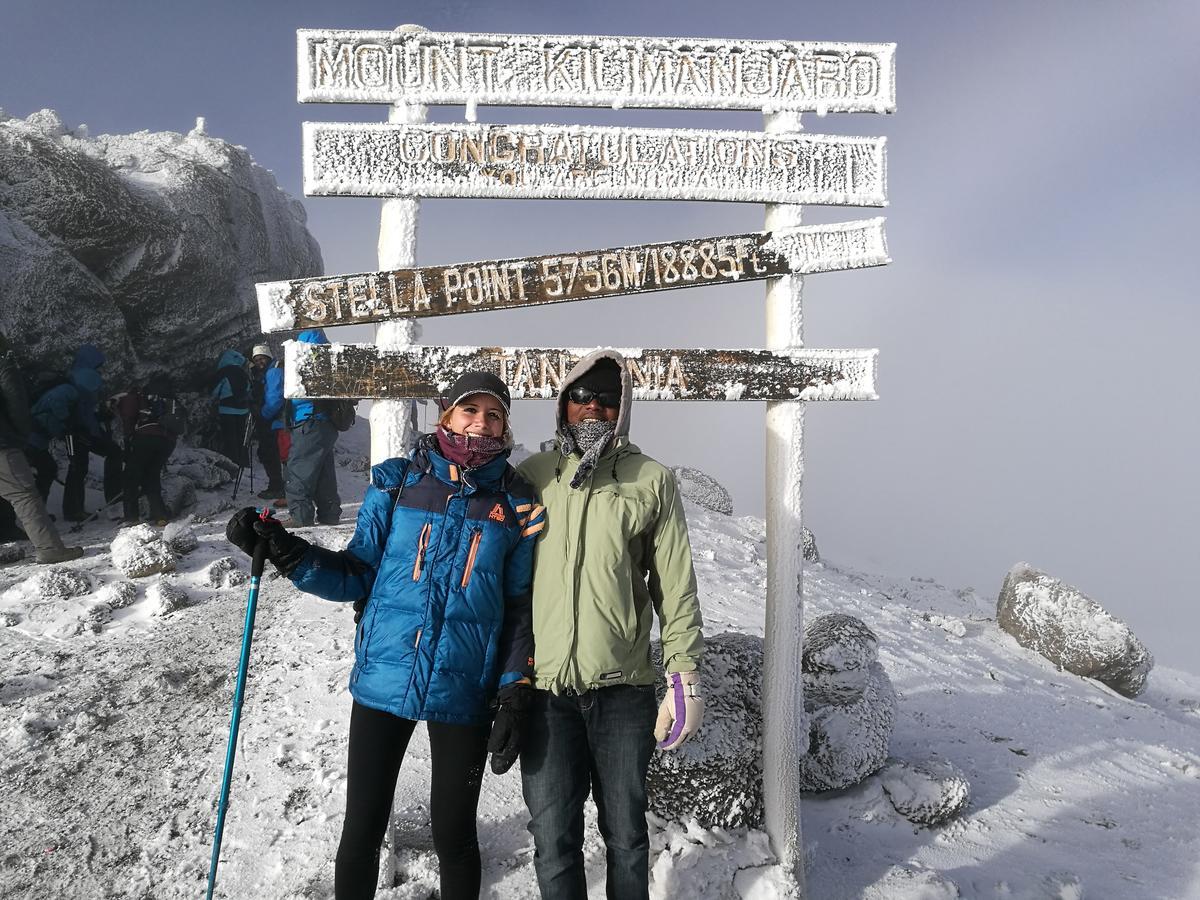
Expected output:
(430, 68)
(581, 162)
(363, 370)
(586, 274)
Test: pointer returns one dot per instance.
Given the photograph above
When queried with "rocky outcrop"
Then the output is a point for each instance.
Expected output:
(1071, 630)
(850, 702)
(716, 776)
(147, 245)
(703, 490)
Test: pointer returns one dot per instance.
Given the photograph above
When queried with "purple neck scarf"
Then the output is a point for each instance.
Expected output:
(469, 450)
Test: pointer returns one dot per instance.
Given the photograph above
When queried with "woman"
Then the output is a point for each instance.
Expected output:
(151, 425)
(442, 556)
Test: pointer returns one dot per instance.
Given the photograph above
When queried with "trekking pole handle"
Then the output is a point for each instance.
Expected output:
(259, 560)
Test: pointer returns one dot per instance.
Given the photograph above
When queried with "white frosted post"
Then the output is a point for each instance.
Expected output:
(783, 701)
(394, 422)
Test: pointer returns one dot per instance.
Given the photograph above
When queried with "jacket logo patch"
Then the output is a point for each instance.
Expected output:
(610, 676)
(497, 513)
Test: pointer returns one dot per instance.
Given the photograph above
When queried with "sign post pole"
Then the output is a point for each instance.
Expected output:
(783, 702)
(393, 422)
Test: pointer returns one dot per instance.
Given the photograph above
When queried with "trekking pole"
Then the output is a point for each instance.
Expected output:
(239, 692)
(94, 516)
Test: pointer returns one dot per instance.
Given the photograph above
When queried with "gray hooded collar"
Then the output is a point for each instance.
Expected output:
(621, 433)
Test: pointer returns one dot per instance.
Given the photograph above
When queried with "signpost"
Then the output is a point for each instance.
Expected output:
(433, 68)
(363, 370)
(407, 159)
(590, 162)
(560, 277)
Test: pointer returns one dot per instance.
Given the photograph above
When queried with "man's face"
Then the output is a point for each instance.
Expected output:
(583, 404)
(261, 362)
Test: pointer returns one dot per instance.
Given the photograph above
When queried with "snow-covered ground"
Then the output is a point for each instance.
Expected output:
(113, 742)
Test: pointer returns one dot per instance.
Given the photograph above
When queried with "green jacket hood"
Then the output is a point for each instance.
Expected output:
(577, 371)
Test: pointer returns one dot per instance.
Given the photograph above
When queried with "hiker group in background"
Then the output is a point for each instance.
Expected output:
(48, 417)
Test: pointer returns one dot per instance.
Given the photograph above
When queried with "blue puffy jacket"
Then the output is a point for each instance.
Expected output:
(85, 376)
(273, 399)
(302, 409)
(444, 558)
(232, 390)
(54, 414)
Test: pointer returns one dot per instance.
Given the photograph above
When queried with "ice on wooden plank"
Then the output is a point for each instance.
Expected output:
(591, 163)
(363, 370)
(483, 285)
(344, 66)
(810, 249)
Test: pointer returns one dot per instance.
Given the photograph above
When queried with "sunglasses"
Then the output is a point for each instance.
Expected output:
(607, 399)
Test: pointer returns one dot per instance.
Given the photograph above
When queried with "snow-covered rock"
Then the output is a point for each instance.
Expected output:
(95, 617)
(58, 583)
(809, 545)
(850, 702)
(927, 793)
(147, 245)
(224, 573)
(118, 594)
(181, 537)
(703, 489)
(139, 551)
(1071, 630)
(716, 776)
(11, 553)
(165, 596)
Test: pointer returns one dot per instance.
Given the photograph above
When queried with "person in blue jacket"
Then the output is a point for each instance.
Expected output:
(439, 569)
(311, 486)
(232, 393)
(89, 435)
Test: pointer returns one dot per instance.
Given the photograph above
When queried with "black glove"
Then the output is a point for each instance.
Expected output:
(505, 741)
(284, 549)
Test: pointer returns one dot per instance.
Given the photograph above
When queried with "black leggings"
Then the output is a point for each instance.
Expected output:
(377, 744)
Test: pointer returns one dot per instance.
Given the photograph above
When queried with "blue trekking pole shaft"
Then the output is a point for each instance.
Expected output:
(239, 692)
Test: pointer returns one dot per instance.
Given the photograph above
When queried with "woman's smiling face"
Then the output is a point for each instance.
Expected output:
(478, 414)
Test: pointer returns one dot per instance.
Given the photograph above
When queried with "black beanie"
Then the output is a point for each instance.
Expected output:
(478, 383)
(603, 377)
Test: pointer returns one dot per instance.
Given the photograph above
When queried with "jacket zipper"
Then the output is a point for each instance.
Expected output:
(475, 538)
(422, 545)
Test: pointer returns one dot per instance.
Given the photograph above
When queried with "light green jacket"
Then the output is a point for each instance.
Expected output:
(614, 552)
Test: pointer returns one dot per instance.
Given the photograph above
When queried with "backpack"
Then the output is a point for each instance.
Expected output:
(239, 384)
(39, 382)
(340, 412)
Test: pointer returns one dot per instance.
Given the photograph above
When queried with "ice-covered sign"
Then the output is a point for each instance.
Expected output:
(591, 162)
(555, 278)
(363, 370)
(430, 68)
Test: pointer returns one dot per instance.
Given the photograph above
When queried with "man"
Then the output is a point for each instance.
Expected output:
(16, 480)
(614, 552)
(232, 393)
(311, 488)
(267, 419)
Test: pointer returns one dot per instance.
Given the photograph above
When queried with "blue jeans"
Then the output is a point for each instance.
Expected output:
(598, 741)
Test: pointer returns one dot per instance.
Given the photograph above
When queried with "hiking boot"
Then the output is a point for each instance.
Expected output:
(270, 493)
(74, 516)
(59, 554)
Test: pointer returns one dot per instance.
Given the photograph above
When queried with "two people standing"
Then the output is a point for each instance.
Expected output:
(458, 610)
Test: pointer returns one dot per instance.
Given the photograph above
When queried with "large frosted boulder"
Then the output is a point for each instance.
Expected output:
(850, 702)
(1071, 630)
(926, 793)
(139, 551)
(147, 245)
(716, 776)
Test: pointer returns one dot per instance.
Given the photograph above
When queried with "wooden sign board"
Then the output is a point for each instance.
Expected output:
(578, 162)
(431, 68)
(363, 370)
(531, 281)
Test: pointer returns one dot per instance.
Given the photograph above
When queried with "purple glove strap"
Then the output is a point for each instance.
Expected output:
(680, 711)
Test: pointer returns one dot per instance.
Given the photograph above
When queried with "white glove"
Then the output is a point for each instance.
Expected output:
(681, 712)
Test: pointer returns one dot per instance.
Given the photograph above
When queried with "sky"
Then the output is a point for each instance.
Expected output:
(1036, 377)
